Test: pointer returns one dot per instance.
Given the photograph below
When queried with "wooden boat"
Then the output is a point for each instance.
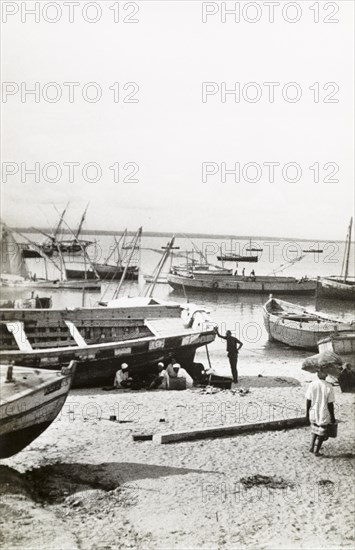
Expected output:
(30, 400)
(342, 287)
(28, 251)
(114, 272)
(160, 280)
(297, 327)
(213, 282)
(253, 247)
(15, 274)
(81, 273)
(138, 331)
(230, 257)
(342, 344)
(336, 288)
(201, 269)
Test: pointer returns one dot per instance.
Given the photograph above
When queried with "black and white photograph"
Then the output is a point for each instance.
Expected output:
(177, 275)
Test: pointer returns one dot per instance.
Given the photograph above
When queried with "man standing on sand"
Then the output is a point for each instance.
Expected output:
(320, 409)
(233, 347)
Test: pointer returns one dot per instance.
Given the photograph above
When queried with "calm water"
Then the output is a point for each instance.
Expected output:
(240, 314)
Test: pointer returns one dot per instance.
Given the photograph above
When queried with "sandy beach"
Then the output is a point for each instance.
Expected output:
(84, 483)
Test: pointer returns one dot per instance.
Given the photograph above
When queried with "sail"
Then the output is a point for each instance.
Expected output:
(11, 260)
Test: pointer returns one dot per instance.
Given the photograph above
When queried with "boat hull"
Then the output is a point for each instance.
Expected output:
(102, 339)
(236, 258)
(25, 412)
(341, 344)
(236, 285)
(337, 290)
(299, 334)
(113, 273)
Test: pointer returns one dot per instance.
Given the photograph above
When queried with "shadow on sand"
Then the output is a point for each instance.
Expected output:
(54, 482)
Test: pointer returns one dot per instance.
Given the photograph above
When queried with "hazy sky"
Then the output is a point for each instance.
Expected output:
(170, 132)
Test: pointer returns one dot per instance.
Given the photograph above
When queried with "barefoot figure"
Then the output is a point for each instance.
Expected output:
(320, 410)
(233, 347)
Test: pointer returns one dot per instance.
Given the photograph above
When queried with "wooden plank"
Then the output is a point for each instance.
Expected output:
(75, 334)
(18, 331)
(229, 430)
(142, 437)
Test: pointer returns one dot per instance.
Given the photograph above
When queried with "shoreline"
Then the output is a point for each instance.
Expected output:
(87, 478)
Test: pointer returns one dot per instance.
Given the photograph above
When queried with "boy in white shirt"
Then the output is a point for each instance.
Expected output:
(320, 409)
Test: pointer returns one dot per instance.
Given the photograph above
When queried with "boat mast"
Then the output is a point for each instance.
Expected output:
(86, 255)
(134, 245)
(149, 291)
(76, 236)
(347, 250)
(117, 243)
(56, 231)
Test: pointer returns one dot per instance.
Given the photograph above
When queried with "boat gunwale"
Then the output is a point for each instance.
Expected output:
(36, 389)
(106, 345)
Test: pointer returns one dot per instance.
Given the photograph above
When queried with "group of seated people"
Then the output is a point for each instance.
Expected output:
(161, 380)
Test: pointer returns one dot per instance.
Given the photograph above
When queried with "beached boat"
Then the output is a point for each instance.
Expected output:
(138, 331)
(343, 286)
(30, 400)
(297, 327)
(214, 282)
(342, 344)
(337, 288)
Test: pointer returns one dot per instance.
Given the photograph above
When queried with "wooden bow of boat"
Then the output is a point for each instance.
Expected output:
(29, 402)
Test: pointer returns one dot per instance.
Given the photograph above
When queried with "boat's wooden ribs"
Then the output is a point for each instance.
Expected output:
(43, 333)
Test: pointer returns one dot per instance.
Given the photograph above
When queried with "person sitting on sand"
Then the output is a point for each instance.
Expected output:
(122, 378)
(233, 347)
(179, 372)
(252, 275)
(170, 368)
(320, 410)
(161, 380)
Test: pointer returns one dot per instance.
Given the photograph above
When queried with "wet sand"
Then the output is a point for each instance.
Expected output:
(84, 483)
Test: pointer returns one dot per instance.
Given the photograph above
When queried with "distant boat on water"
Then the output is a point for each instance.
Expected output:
(253, 247)
(235, 284)
(15, 274)
(30, 399)
(55, 244)
(339, 287)
(293, 325)
(231, 257)
(127, 263)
